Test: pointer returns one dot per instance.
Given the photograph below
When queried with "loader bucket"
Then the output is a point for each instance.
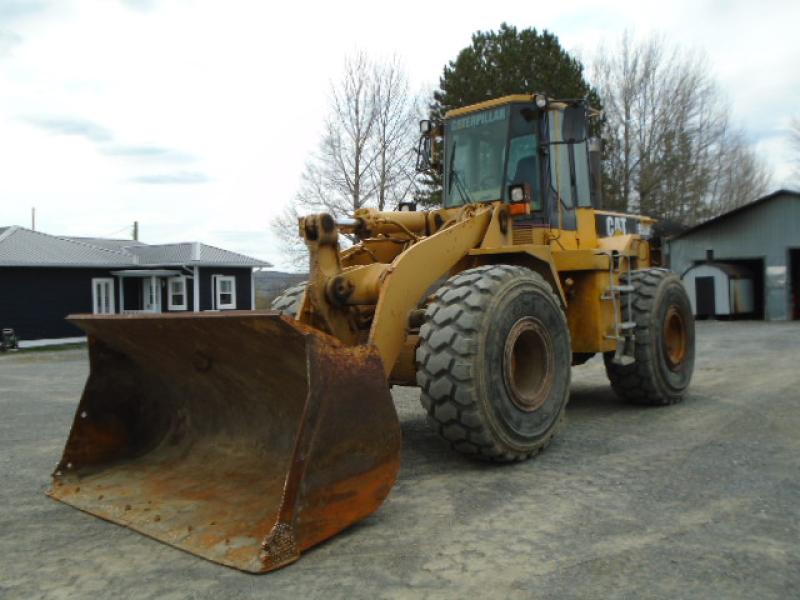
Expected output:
(241, 437)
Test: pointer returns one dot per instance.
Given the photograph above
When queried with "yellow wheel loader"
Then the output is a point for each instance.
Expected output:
(248, 437)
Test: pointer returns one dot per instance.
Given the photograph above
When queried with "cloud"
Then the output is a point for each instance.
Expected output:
(147, 153)
(178, 177)
(14, 9)
(142, 5)
(102, 137)
(72, 126)
(8, 39)
(763, 135)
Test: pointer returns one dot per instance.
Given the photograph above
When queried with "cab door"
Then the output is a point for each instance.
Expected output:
(567, 165)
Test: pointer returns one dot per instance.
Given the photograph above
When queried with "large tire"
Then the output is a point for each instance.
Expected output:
(493, 362)
(288, 303)
(664, 347)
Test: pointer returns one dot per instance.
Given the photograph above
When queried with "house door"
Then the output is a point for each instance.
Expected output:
(103, 296)
(151, 295)
(704, 288)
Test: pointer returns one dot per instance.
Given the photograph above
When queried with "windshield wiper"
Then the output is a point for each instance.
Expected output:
(455, 177)
(460, 187)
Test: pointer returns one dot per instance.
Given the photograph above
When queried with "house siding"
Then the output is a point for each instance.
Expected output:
(35, 301)
(243, 285)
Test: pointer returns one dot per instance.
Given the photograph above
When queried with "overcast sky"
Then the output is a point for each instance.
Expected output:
(195, 117)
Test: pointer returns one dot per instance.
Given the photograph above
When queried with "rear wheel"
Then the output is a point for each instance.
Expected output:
(664, 349)
(493, 362)
(288, 303)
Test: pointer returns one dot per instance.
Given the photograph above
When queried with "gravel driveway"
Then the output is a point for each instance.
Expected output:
(699, 500)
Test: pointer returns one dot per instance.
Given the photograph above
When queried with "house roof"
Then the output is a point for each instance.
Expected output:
(21, 247)
(186, 253)
(24, 247)
(108, 244)
(744, 207)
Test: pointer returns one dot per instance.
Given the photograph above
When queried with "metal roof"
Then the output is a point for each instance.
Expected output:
(21, 247)
(192, 253)
(735, 211)
(24, 247)
(108, 244)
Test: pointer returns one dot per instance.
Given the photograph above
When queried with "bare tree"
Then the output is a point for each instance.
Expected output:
(285, 227)
(794, 140)
(738, 177)
(670, 149)
(366, 154)
(395, 134)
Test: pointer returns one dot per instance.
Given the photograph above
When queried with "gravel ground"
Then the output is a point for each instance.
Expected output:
(698, 500)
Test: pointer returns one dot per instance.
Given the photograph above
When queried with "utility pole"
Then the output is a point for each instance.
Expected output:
(33, 218)
(136, 231)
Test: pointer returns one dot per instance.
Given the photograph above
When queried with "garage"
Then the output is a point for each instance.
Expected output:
(757, 243)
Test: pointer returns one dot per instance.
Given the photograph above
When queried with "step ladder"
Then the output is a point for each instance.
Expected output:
(624, 325)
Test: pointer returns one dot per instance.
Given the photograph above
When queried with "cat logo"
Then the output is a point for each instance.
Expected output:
(615, 225)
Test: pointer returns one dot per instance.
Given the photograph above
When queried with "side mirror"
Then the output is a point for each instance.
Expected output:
(427, 154)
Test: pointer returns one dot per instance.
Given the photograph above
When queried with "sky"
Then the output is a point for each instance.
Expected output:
(196, 117)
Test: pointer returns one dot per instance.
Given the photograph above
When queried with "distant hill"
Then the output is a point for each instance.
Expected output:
(270, 284)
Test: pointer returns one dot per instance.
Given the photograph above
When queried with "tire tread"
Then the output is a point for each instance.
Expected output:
(448, 342)
(634, 382)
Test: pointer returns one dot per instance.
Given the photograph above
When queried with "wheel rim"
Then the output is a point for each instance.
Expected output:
(675, 337)
(529, 364)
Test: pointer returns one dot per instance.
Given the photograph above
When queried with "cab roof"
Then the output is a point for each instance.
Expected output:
(456, 112)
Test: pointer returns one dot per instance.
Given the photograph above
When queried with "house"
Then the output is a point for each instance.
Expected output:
(43, 278)
(760, 242)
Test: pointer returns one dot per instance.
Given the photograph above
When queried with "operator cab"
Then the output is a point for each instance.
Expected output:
(530, 152)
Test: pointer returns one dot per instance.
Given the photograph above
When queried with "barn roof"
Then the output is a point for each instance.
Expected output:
(735, 211)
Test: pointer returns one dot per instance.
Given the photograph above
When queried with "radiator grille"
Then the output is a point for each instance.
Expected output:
(522, 234)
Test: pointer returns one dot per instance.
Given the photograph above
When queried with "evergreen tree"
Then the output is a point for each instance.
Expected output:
(508, 61)
(503, 62)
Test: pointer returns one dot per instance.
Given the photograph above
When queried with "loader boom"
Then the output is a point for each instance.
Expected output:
(398, 286)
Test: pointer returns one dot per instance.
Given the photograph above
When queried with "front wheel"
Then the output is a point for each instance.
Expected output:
(494, 362)
(664, 341)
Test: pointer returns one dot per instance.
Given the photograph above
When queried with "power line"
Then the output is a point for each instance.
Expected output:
(120, 230)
